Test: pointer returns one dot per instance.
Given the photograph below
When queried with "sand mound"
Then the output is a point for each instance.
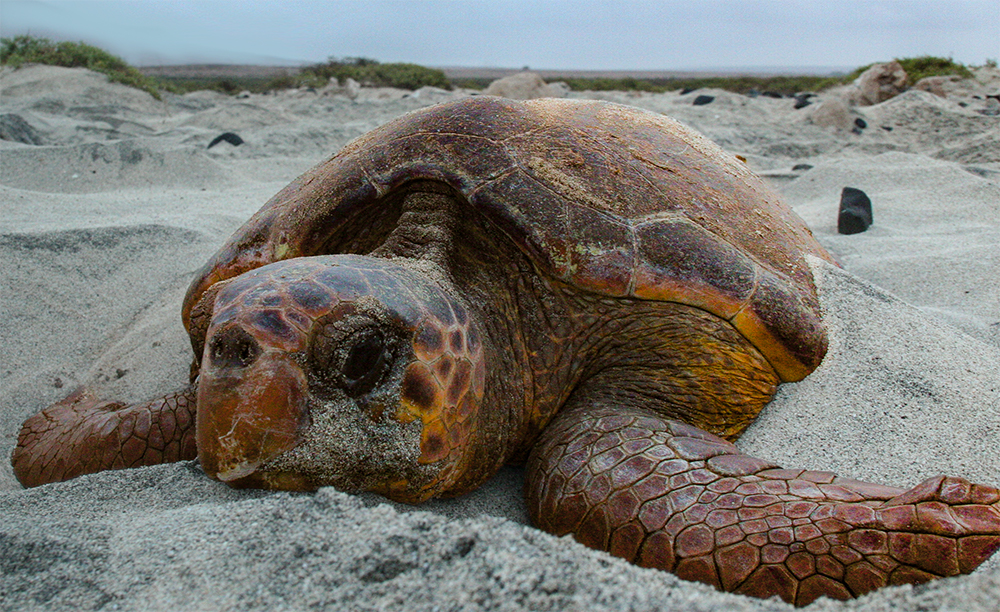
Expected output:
(117, 165)
(74, 105)
(931, 123)
(239, 116)
(72, 90)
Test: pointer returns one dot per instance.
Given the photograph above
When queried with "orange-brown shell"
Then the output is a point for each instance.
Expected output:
(610, 199)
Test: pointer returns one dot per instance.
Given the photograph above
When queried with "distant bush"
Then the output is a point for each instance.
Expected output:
(371, 73)
(230, 85)
(27, 49)
(924, 66)
(786, 85)
(916, 69)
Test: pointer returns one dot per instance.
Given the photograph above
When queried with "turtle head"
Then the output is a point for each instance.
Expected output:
(341, 370)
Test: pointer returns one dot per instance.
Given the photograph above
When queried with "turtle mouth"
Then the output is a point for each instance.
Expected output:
(237, 472)
(248, 418)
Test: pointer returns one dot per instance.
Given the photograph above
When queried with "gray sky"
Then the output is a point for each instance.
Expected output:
(543, 34)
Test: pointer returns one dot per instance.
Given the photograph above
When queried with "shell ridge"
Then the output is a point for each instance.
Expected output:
(610, 153)
(413, 168)
(634, 239)
(750, 296)
(474, 191)
(379, 190)
(415, 133)
(536, 240)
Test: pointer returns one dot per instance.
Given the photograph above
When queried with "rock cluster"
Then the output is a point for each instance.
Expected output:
(526, 86)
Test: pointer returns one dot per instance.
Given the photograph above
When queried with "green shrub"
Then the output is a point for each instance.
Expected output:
(371, 73)
(924, 66)
(739, 84)
(26, 49)
(919, 67)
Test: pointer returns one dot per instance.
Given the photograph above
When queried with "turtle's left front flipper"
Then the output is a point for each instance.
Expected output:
(81, 435)
(664, 494)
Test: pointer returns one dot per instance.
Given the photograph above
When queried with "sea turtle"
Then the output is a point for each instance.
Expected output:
(591, 289)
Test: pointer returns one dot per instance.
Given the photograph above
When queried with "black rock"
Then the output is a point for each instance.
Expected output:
(802, 99)
(229, 137)
(801, 167)
(861, 123)
(15, 129)
(773, 94)
(703, 100)
(687, 90)
(855, 211)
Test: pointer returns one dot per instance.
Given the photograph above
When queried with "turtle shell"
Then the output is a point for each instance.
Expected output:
(607, 198)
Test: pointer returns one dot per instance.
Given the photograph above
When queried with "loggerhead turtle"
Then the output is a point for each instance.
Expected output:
(589, 288)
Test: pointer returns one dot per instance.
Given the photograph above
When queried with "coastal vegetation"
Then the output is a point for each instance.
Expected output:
(371, 73)
(367, 72)
(916, 68)
(924, 66)
(20, 50)
(738, 83)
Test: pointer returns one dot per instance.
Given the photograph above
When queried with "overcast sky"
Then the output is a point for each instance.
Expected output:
(542, 34)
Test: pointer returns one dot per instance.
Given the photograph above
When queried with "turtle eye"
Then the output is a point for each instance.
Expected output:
(365, 361)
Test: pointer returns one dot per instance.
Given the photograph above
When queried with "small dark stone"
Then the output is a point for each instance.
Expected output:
(773, 94)
(229, 137)
(14, 128)
(801, 167)
(802, 99)
(703, 100)
(861, 123)
(887, 128)
(855, 211)
(687, 90)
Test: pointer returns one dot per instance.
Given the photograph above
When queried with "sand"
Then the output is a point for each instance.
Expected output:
(103, 225)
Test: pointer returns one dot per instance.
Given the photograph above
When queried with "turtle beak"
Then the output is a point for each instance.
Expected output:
(249, 417)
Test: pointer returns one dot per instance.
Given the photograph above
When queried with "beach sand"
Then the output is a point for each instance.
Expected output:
(105, 222)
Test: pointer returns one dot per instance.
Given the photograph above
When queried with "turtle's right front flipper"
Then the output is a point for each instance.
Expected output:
(668, 495)
(81, 435)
